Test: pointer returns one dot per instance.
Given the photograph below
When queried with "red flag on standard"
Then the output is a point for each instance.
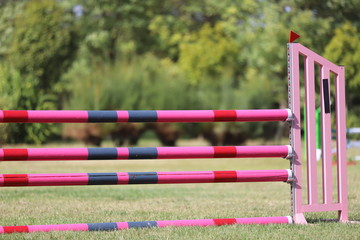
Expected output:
(293, 36)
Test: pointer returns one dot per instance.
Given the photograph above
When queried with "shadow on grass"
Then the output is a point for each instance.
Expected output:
(321, 220)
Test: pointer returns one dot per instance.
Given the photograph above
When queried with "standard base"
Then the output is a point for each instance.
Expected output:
(299, 219)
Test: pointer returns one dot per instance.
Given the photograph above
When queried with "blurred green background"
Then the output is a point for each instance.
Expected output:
(173, 54)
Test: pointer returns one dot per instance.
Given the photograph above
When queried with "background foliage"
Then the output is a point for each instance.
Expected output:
(174, 54)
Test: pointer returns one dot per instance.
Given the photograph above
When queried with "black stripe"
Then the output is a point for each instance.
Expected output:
(102, 178)
(143, 116)
(102, 226)
(326, 95)
(102, 116)
(144, 224)
(143, 153)
(143, 177)
(102, 153)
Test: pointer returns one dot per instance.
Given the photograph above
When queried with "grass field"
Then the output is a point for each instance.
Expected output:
(87, 204)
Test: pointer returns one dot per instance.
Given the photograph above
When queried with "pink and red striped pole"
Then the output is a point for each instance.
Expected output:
(52, 154)
(112, 226)
(115, 178)
(72, 116)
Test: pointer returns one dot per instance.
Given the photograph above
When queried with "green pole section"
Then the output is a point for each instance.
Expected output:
(304, 128)
(318, 128)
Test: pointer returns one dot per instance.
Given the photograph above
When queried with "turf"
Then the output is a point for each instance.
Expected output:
(87, 204)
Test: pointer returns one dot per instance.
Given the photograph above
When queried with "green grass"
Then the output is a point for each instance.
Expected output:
(58, 205)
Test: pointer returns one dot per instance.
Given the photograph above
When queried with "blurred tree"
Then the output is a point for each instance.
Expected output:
(41, 46)
(204, 54)
(179, 19)
(109, 28)
(140, 83)
(8, 11)
(344, 48)
(339, 10)
(43, 42)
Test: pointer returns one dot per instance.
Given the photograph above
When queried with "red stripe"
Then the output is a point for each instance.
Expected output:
(15, 154)
(225, 176)
(11, 229)
(224, 152)
(224, 221)
(224, 115)
(16, 179)
(15, 116)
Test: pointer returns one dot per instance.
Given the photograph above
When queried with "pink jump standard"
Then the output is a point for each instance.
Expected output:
(295, 50)
(293, 152)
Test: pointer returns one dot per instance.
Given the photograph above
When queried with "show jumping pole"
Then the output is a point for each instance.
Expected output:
(56, 154)
(71, 179)
(63, 116)
(111, 226)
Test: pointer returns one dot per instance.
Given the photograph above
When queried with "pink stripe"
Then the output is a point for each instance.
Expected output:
(122, 225)
(1, 229)
(58, 179)
(1, 180)
(58, 227)
(185, 152)
(57, 116)
(262, 115)
(186, 177)
(123, 178)
(1, 116)
(262, 220)
(262, 151)
(262, 175)
(57, 153)
(1, 154)
(123, 153)
(185, 115)
(123, 116)
(179, 223)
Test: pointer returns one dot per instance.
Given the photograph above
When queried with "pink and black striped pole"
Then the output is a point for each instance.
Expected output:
(72, 116)
(112, 226)
(116, 178)
(53, 154)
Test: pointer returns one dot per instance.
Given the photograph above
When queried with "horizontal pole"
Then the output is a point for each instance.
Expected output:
(353, 130)
(114, 178)
(73, 116)
(112, 226)
(54, 154)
